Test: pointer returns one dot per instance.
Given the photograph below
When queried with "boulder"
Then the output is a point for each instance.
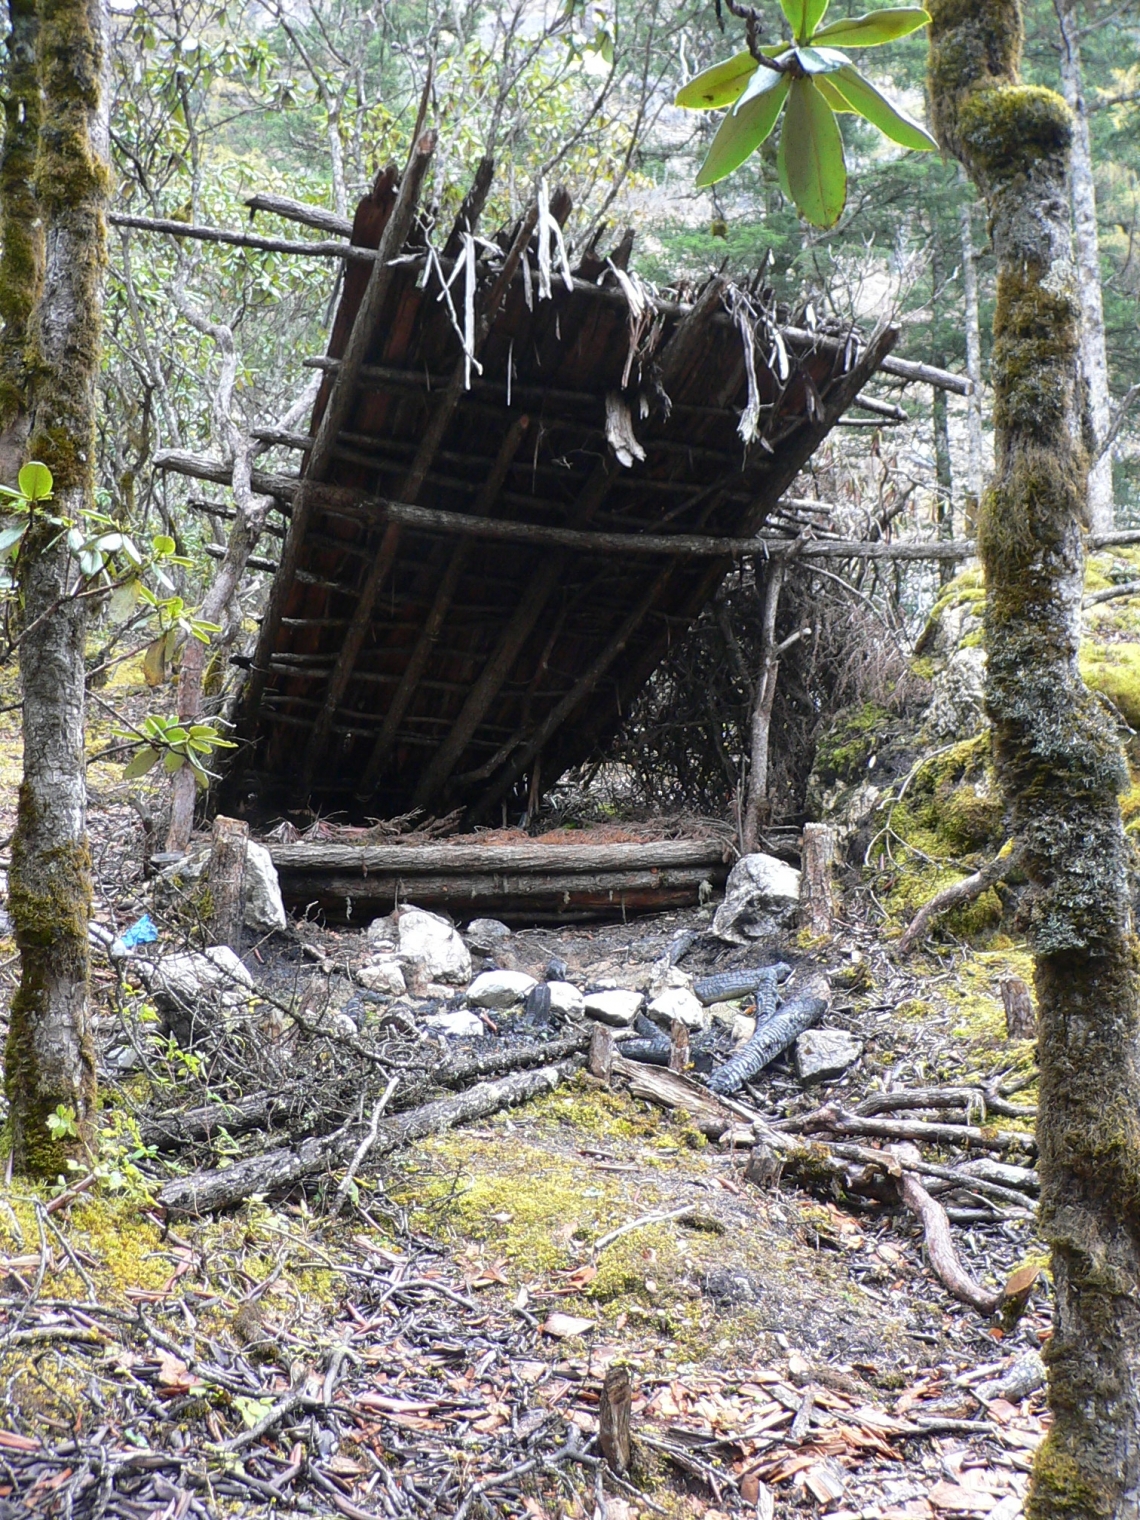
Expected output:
(566, 999)
(679, 1003)
(432, 942)
(264, 909)
(461, 1023)
(824, 1054)
(616, 1005)
(761, 899)
(499, 989)
(189, 977)
(486, 936)
(383, 975)
(383, 933)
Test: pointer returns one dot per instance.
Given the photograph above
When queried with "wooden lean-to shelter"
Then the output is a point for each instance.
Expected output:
(522, 480)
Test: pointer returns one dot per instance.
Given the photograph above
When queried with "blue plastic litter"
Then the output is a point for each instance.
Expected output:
(141, 933)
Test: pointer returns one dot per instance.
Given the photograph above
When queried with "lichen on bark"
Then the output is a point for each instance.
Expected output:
(49, 1057)
(1058, 761)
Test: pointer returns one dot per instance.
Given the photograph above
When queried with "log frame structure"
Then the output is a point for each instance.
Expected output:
(515, 492)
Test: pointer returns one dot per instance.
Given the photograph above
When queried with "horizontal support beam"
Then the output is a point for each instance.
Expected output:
(323, 250)
(254, 562)
(410, 861)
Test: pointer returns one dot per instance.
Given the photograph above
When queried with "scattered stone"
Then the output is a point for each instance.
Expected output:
(823, 1054)
(556, 969)
(435, 944)
(538, 1003)
(729, 1286)
(499, 989)
(679, 1003)
(383, 975)
(383, 934)
(264, 909)
(459, 1024)
(486, 936)
(566, 999)
(616, 1005)
(341, 1024)
(761, 898)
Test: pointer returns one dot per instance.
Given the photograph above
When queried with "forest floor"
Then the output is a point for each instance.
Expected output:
(436, 1343)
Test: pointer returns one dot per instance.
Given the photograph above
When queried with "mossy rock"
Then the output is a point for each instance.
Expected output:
(1114, 671)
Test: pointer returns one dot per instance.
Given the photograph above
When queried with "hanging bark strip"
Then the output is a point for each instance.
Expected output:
(49, 1061)
(1058, 760)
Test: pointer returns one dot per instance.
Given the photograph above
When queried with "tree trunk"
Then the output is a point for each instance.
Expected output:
(943, 470)
(1094, 358)
(975, 449)
(1058, 760)
(756, 802)
(49, 1061)
(21, 232)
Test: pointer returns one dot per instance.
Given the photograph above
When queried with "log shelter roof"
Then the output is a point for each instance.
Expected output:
(404, 662)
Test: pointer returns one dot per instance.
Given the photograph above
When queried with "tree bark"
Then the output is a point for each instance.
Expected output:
(1094, 356)
(49, 1060)
(975, 448)
(1058, 760)
(21, 232)
(940, 418)
(817, 857)
(226, 880)
(756, 802)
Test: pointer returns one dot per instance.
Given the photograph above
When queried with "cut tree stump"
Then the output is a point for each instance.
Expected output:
(817, 899)
(1020, 1014)
(225, 880)
(614, 1420)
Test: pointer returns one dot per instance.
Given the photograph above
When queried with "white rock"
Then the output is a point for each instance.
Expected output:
(679, 1003)
(189, 976)
(341, 1024)
(486, 935)
(566, 999)
(616, 1005)
(461, 1023)
(823, 1054)
(431, 940)
(264, 909)
(761, 898)
(383, 975)
(499, 989)
(383, 934)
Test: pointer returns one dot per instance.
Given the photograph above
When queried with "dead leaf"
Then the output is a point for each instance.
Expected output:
(582, 1276)
(563, 1325)
(1020, 1282)
(174, 1377)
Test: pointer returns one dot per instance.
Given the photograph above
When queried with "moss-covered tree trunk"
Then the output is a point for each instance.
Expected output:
(49, 1060)
(1058, 760)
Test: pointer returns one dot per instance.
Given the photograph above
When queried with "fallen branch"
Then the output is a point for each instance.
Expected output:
(837, 1121)
(939, 1247)
(207, 1191)
(963, 891)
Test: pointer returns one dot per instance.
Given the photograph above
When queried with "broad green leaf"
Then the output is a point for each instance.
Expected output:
(123, 601)
(812, 150)
(878, 110)
(742, 132)
(162, 543)
(723, 83)
(35, 481)
(11, 537)
(838, 103)
(140, 763)
(173, 762)
(762, 81)
(819, 60)
(803, 16)
(200, 776)
(879, 26)
(718, 86)
(154, 661)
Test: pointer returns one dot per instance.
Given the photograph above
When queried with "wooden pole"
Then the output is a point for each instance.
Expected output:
(755, 805)
(225, 880)
(817, 903)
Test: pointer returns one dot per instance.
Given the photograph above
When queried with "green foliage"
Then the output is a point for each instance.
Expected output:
(176, 744)
(816, 83)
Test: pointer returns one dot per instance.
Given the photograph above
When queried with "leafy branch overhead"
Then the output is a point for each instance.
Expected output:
(815, 80)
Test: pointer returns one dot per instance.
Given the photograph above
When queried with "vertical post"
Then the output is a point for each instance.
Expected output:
(817, 900)
(225, 880)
